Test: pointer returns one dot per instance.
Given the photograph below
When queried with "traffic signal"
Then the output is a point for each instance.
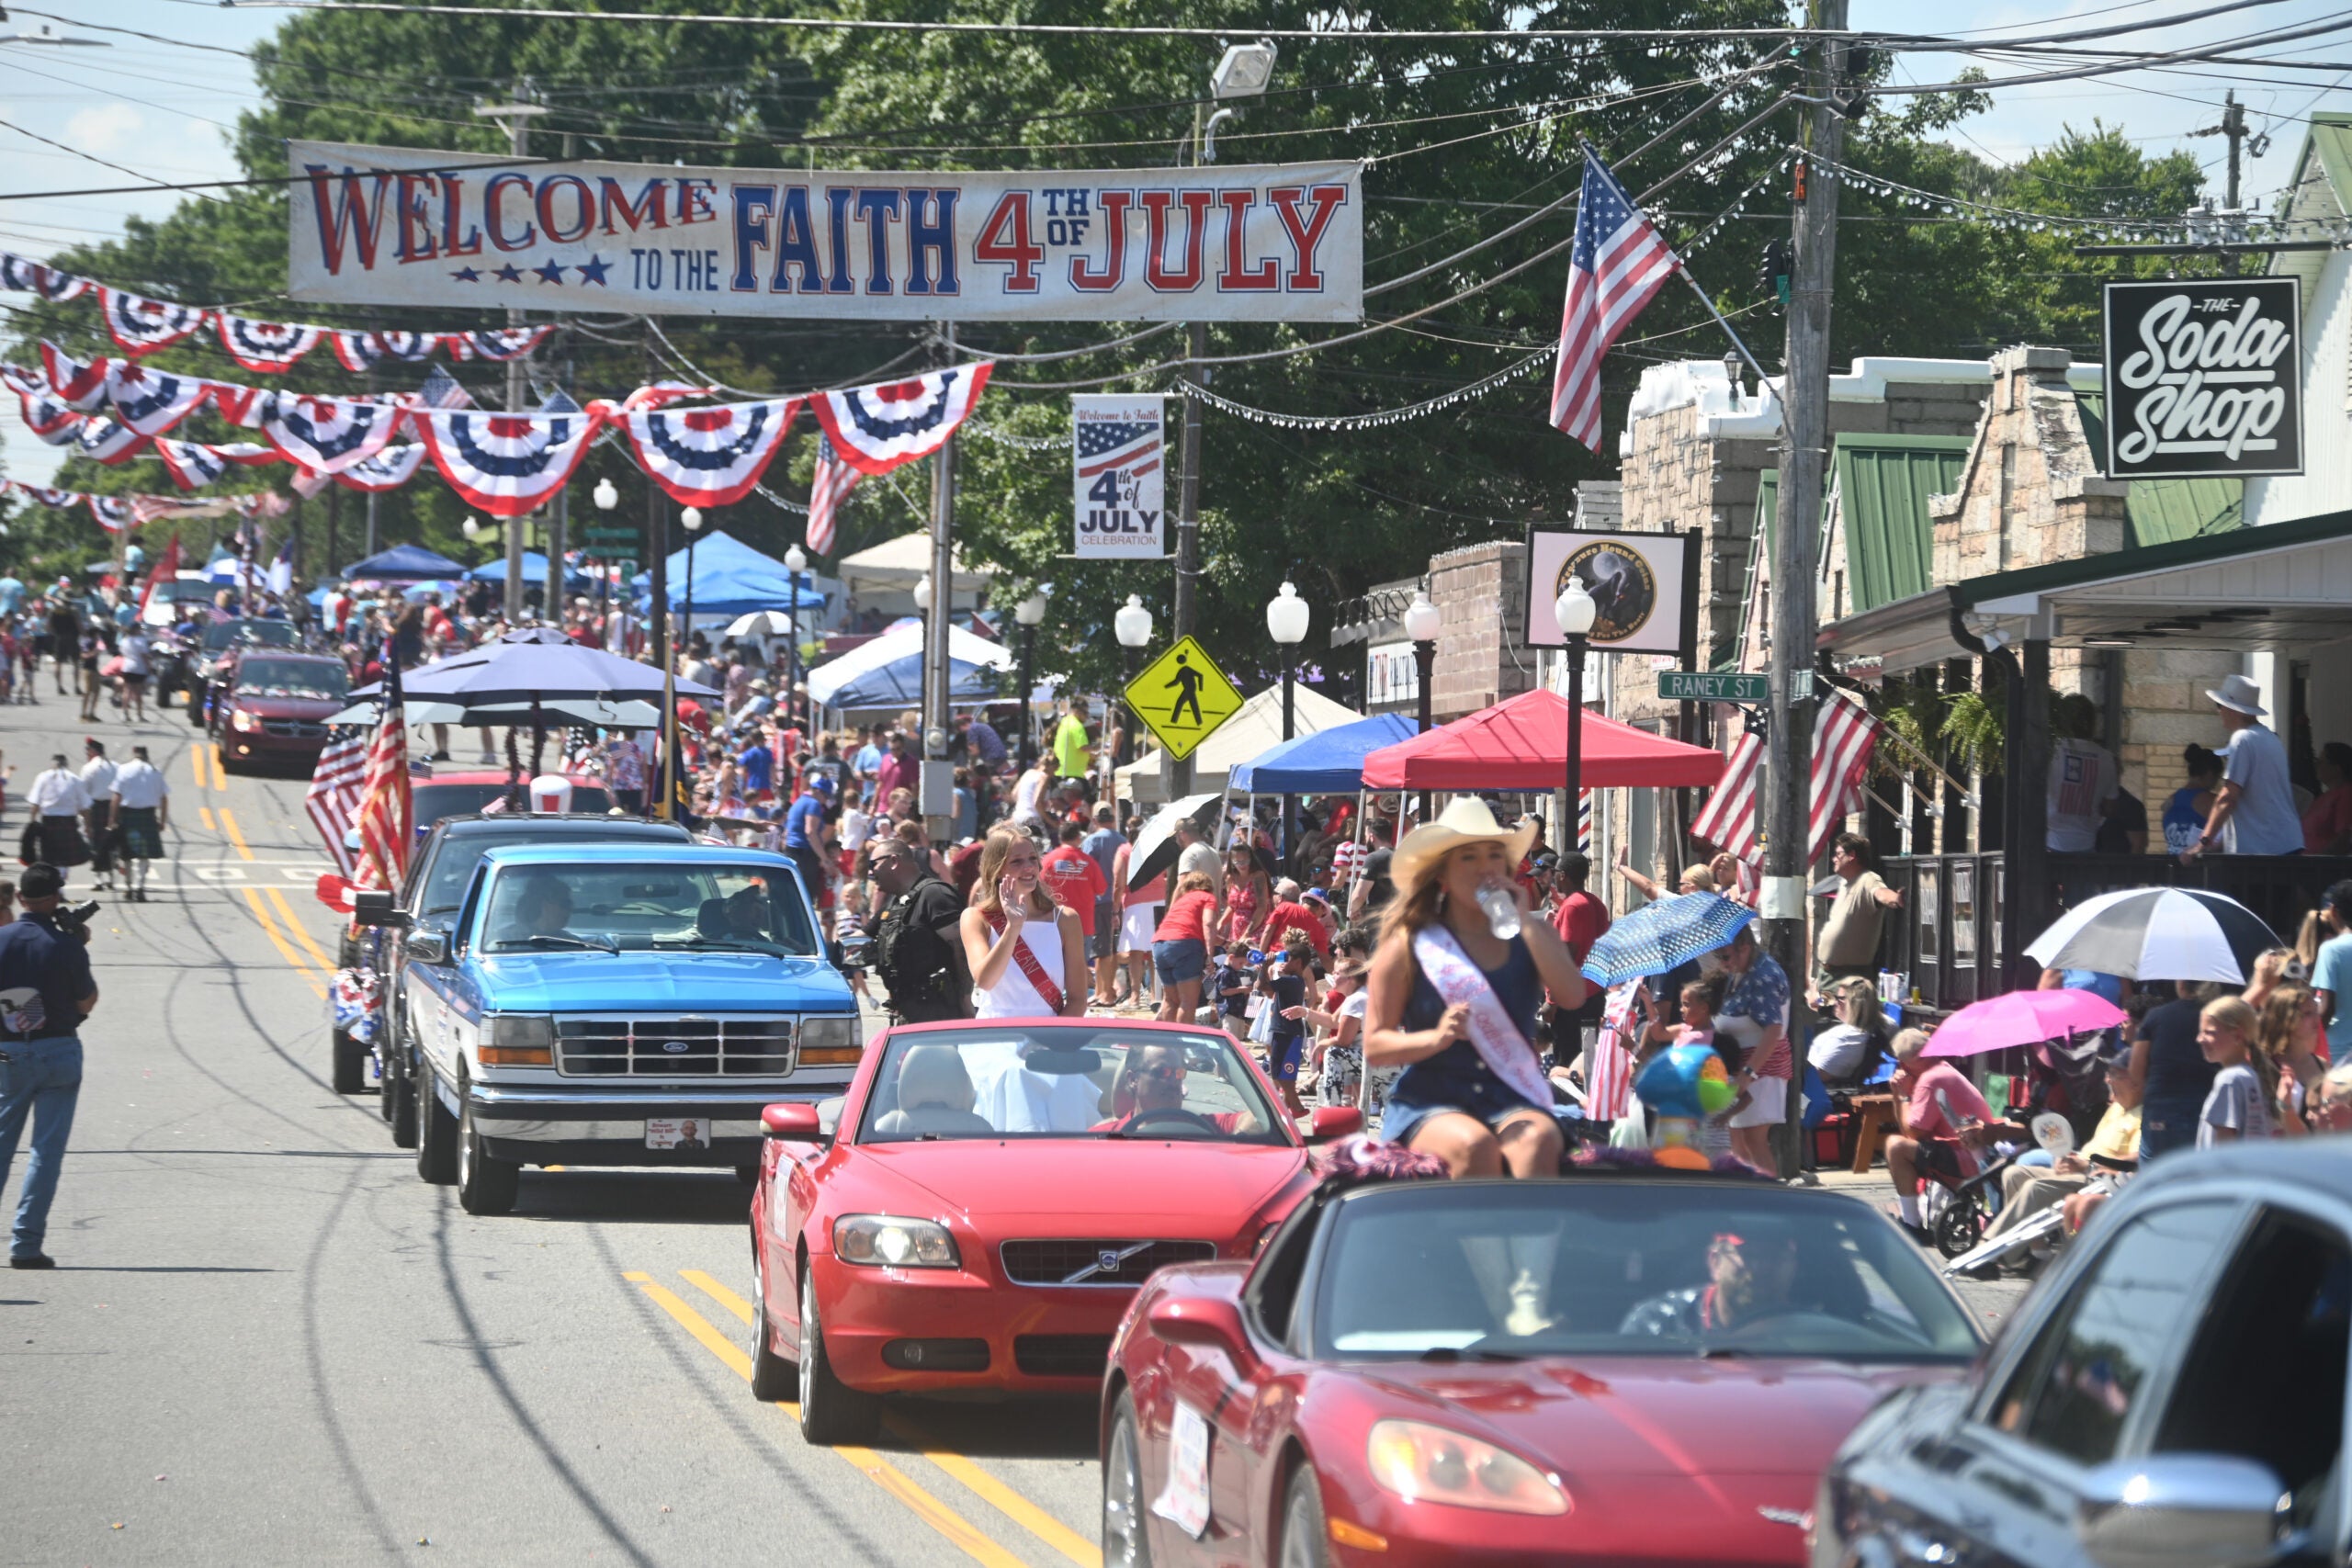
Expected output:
(1773, 276)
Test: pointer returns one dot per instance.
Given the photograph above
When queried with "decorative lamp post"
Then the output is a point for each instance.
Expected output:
(1133, 625)
(1286, 618)
(1422, 619)
(1574, 610)
(606, 497)
(796, 561)
(1027, 615)
(692, 518)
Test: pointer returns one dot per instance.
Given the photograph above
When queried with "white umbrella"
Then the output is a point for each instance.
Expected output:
(2156, 933)
(628, 714)
(765, 623)
(1154, 849)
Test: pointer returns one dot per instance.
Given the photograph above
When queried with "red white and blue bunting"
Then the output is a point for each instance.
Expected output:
(388, 469)
(710, 456)
(73, 383)
(266, 348)
(507, 463)
(31, 277)
(325, 433)
(194, 464)
(152, 401)
(875, 429)
(108, 440)
(110, 510)
(142, 325)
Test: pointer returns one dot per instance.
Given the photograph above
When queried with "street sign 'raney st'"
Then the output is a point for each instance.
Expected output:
(2202, 377)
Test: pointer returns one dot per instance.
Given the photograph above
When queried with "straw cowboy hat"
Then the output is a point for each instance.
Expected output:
(1467, 822)
(2239, 694)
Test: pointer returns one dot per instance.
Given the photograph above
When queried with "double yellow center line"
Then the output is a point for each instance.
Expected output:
(284, 931)
(926, 1506)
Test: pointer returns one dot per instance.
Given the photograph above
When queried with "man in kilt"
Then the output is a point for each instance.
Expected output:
(142, 808)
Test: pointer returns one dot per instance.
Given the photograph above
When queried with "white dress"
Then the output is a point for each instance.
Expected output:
(1012, 995)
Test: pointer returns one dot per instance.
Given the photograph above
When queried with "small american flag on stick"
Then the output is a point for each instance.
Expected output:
(334, 797)
(832, 481)
(385, 813)
(1616, 265)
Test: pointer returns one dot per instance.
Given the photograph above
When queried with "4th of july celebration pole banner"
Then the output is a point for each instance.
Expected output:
(1119, 475)
(402, 226)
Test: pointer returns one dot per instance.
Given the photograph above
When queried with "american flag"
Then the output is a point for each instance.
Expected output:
(1844, 736)
(1114, 444)
(833, 481)
(384, 817)
(333, 796)
(1617, 264)
(442, 391)
(167, 568)
(1608, 1069)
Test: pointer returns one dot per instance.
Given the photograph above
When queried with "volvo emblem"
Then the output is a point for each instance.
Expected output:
(676, 1047)
(1107, 1261)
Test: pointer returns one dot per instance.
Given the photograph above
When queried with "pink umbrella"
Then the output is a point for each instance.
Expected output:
(2022, 1018)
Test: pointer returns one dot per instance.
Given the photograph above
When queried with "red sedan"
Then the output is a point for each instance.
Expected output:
(988, 1198)
(1607, 1367)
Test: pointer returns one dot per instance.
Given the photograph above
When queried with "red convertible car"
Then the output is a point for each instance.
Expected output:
(988, 1198)
(1611, 1367)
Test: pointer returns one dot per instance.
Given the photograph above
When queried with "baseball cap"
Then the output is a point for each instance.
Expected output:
(40, 880)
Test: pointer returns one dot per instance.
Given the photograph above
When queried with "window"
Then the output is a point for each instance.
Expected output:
(2264, 1379)
(2073, 1391)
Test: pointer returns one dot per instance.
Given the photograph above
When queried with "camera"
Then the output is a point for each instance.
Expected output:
(73, 920)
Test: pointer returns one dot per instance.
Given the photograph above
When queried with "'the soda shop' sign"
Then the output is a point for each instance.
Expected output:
(2202, 377)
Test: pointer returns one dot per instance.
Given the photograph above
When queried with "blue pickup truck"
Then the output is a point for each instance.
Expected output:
(617, 1004)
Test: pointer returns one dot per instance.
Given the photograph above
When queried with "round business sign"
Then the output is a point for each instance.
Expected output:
(1624, 588)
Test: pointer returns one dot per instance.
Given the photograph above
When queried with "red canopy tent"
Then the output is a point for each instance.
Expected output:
(1522, 744)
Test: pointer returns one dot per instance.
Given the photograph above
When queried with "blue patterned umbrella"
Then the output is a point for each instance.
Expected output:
(1664, 936)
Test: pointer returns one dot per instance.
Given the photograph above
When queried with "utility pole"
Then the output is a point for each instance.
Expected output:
(373, 497)
(1805, 440)
(2233, 127)
(937, 786)
(516, 116)
(1176, 773)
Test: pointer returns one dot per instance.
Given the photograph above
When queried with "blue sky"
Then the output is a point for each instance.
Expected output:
(165, 110)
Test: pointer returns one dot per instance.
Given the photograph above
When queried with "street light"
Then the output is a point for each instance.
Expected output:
(1575, 612)
(692, 518)
(922, 593)
(1027, 615)
(607, 496)
(1286, 617)
(796, 561)
(1133, 626)
(1422, 620)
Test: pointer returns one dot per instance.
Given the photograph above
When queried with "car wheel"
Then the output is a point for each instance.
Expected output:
(774, 1379)
(1304, 1532)
(748, 1172)
(831, 1412)
(350, 1062)
(485, 1185)
(436, 1132)
(1959, 1228)
(1127, 1536)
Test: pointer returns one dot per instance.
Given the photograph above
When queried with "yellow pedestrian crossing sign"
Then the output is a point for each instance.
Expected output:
(1182, 696)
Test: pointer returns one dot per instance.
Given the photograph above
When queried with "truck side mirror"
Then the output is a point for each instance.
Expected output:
(426, 947)
(377, 907)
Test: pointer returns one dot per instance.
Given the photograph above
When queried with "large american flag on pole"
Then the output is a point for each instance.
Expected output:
(832, 481)
(385, 815)
(332, 799)
(1844, 736)
(1617, 263)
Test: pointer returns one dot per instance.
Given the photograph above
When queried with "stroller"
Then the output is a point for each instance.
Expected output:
(2065, 1080)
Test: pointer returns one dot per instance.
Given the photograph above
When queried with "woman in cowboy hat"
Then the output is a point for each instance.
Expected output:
(1454, 1005)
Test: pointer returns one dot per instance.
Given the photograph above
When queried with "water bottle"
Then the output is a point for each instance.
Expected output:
(1501, 910)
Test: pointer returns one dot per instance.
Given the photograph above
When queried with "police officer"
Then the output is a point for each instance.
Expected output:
(45, 992)
(916, 949)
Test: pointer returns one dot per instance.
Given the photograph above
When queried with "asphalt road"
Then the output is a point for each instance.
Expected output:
(268, 1342)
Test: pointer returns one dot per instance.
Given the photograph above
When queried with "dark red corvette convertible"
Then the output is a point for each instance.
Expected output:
(987, 1199)
(1608, 1368)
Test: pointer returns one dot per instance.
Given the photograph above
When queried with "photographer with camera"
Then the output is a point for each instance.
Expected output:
(45, 992)
(916, 949)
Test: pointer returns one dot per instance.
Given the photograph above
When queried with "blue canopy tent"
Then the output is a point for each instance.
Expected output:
(1329, 762)
(732, 578)
(887, 673)
(404, 563)
(535, 570)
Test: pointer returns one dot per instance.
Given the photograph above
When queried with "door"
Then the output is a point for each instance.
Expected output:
(1207, 1382)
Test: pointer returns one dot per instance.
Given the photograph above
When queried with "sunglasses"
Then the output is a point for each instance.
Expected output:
(1164, 1073)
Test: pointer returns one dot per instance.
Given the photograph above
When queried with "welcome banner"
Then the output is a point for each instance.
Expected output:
(403, 226)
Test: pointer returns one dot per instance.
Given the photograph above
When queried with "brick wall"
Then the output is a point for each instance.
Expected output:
(1482, 653)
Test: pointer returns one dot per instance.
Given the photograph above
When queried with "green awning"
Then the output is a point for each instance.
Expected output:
(2159, 512)
(1883, 483)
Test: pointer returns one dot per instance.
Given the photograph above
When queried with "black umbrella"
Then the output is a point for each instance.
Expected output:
(1156, 849)
(2156, 933)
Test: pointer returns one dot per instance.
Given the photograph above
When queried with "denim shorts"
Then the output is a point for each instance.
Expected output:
(1183, 959)
(1486, 1096)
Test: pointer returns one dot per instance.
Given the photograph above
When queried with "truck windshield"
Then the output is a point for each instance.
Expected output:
(639, 907)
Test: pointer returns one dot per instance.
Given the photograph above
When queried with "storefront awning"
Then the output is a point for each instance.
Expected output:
(2289, 584)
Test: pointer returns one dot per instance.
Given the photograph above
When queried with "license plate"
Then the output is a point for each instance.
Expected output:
(686, 1133)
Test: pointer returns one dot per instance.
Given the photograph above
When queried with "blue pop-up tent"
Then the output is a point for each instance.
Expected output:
(405, 563)
(1329, 762)
(535, 570)
(732, 578)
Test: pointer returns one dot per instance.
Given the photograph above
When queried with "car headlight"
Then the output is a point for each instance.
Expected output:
(885, 1241)
(519, 1040)
(245, 721)
(832, 1040)
(1422, 1463)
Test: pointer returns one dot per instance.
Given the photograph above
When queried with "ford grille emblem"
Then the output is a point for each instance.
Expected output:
(1107, 1261)
(676, 1047)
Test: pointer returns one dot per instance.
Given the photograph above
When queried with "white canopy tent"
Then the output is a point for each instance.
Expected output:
(902, 646)
(1256, 727)
(883, 577)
